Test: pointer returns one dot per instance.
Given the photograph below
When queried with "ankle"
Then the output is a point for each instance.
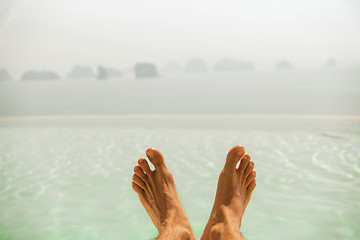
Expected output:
(222, 225)
(177, 225)
(223, 231)
(176, 232)
(225, 214)
(175, 217)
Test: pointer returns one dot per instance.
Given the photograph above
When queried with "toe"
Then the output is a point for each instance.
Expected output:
(155, 157)
(250, 190)
(250, 178)
(136, 188)
(144, 165)
(139, 181)
(251, 187)
(234, 156)
(139, 172)
(243, 163)
(247, 171)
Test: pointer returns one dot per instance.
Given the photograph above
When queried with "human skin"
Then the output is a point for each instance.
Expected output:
(158, 195)
(234, 189)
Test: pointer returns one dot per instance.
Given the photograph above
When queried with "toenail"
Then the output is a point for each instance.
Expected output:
(150, 153)
(141, 160)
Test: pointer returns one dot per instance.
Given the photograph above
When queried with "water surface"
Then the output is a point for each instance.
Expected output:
(69, 178)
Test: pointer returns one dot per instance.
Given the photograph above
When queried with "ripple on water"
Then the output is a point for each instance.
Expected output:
(74, 183)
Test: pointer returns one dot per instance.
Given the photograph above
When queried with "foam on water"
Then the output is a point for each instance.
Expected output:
(70, 178)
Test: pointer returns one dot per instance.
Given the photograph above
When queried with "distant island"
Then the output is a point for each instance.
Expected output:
(330, 63)
(4, 75)
(81, 72)
(196, 65)
(106, 73)
(40, 75)
(228, 64)
(145, 70)
(284, 65)
(102, 73)
(171, 67)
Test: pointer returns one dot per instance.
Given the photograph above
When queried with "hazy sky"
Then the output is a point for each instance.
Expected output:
(57, 34)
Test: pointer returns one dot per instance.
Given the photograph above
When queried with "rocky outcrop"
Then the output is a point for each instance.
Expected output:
(40, 75)
(83, 72)
(112, 72)
(102, 73)
(106, 73)
(196, 65)
(145, 70)
(4, 75)
(284, 65)
(233, 65)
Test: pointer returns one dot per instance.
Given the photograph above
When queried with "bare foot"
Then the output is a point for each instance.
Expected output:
(157, 193)
(233, 194)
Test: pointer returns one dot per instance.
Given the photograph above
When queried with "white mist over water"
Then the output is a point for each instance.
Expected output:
(56, 35)
(324, 92)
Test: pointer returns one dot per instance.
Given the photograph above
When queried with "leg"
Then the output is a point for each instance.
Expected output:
(233, 194)
(158, 195)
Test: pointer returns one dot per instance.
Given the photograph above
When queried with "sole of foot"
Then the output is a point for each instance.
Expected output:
(234, 189)
(157, 192)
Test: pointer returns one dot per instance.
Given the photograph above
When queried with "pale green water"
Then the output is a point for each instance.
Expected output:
(70, 179)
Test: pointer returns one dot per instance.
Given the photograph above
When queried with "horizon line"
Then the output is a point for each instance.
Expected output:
(109, 116)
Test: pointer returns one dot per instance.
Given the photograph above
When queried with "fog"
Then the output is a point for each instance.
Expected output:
(205, 57)
(86, 86)
(56, 35)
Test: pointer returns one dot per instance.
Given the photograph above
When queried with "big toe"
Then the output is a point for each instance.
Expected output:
(234, 156)
(155, 157)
